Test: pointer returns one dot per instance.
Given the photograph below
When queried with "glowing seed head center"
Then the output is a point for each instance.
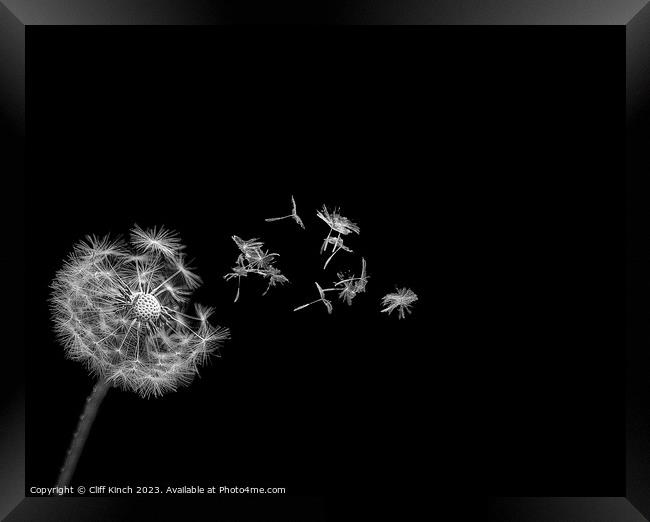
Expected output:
(146, 307)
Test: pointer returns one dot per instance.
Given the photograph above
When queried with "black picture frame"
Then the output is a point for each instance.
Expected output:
(632, 17)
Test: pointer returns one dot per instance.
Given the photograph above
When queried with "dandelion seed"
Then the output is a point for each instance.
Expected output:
(326, 302)
(402, 300)
(275, 278)
(293, 215)
(254, 260)
(348, 292)
(363, 278)
(339, 224)
(350, 287)
(160, 240)
(249, 248)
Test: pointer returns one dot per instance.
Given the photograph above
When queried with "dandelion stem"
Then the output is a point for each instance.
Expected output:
(93, 403)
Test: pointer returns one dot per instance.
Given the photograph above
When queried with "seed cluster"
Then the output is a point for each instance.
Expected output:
(146, 307)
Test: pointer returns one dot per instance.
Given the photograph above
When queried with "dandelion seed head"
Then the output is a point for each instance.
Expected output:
(146, 307)
(120, 308)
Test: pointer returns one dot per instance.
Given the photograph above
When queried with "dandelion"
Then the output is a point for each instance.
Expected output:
(254, 260)
(122, 309)
(293, 215)
(402, 300)
(341, 226)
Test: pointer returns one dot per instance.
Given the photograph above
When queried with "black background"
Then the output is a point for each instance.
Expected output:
(483, 167)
